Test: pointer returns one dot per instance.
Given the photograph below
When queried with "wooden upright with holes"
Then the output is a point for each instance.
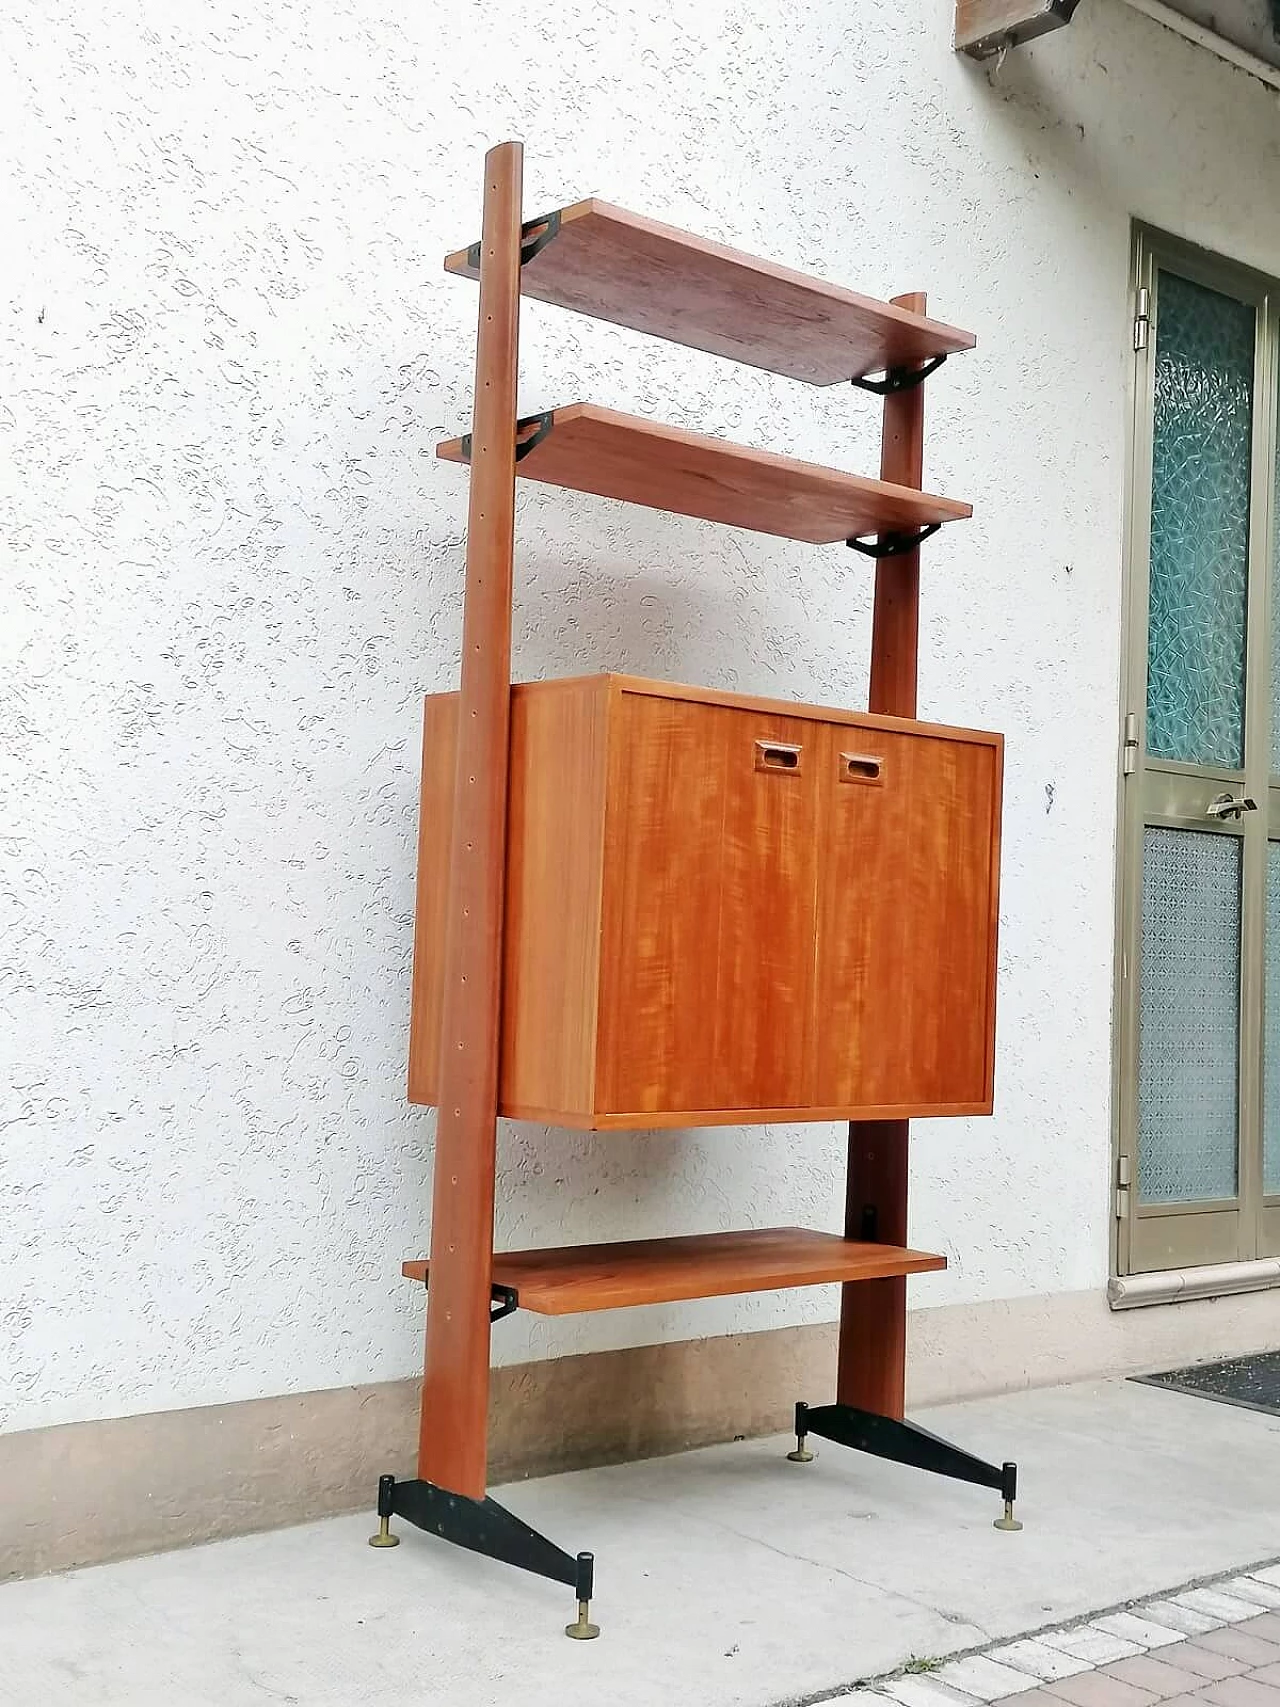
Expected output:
(669, 906)
(452, 1444)
(873, 1317)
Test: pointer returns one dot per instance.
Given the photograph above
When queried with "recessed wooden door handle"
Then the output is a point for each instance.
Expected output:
(861, 767)
(778, 756)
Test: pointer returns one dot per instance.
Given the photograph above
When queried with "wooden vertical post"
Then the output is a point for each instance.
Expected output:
(452, 1446)
(873, 1314)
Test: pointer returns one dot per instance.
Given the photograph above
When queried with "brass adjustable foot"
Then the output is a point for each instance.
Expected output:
(582, 1629)
(802, 1454)
(1008, 1522)
(386, 1494)
(1008, 1493)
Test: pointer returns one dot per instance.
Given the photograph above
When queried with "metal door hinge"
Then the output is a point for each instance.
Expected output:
(1123, 1174)
(1130, 762)
(1142, 319)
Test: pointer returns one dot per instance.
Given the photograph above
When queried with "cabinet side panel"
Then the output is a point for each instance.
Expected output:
(906, 913)
(954, 934)
(435, 816)
(554, 846)
(993, 916)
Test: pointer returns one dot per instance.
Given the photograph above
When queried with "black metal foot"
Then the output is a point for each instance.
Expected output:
(907, 1443)
(484, 1526)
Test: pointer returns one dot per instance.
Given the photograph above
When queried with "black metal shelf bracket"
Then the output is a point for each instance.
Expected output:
(507, 1300)
(484, 1526)
(893, 544)
(896, 379)
(904, 1443)
(535, 234)
(534, 427)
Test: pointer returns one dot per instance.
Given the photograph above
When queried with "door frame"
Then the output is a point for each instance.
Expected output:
(1151, 248)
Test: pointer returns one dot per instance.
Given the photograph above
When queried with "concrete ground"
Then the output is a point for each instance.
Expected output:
(725, 1578)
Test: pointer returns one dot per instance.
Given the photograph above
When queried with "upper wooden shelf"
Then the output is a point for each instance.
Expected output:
(708, 1265)
(643, 462)
(618, 266)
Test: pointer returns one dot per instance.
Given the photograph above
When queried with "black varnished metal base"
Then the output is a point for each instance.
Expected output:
(905, 1443)
(484, 1526)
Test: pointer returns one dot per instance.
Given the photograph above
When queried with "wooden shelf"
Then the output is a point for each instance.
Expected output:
(643, 462)
(709, 1265)
(621, 267)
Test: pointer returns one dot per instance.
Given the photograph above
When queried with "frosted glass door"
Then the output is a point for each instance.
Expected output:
(1197, 799)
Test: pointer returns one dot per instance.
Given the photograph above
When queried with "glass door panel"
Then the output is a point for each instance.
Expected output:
(1199, 525)
(1189, 1050)
(1197, 875)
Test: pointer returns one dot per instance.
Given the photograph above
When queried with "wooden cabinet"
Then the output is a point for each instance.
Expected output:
(723, 909)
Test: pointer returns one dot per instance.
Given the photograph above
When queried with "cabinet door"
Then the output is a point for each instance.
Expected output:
(710, 895)
(906, 921)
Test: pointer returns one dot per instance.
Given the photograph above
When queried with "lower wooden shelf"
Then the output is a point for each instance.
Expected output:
(578, 1278)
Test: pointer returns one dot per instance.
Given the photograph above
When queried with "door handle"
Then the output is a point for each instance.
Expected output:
(779, 756)
(1229, 806)
(861, 767)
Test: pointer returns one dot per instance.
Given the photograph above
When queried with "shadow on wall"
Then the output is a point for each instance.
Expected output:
(559, 1186)
(691, 622)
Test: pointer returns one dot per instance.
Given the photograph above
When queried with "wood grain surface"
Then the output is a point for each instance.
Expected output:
(452, 1445)
(591, 449)
(555, 868)
(621, 267)
(431, 896)
(709, 907)
(905, 946)
(873, 1322)
(578, 1278)
(695, 940)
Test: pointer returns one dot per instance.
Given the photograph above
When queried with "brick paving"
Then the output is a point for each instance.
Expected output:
(1216, 1645)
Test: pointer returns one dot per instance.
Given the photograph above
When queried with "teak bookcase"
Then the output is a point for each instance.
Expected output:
(642, 905)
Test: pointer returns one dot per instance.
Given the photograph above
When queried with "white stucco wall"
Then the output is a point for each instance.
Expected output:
(232, 565)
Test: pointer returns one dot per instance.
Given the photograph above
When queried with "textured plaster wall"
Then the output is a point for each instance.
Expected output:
(232, 566)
